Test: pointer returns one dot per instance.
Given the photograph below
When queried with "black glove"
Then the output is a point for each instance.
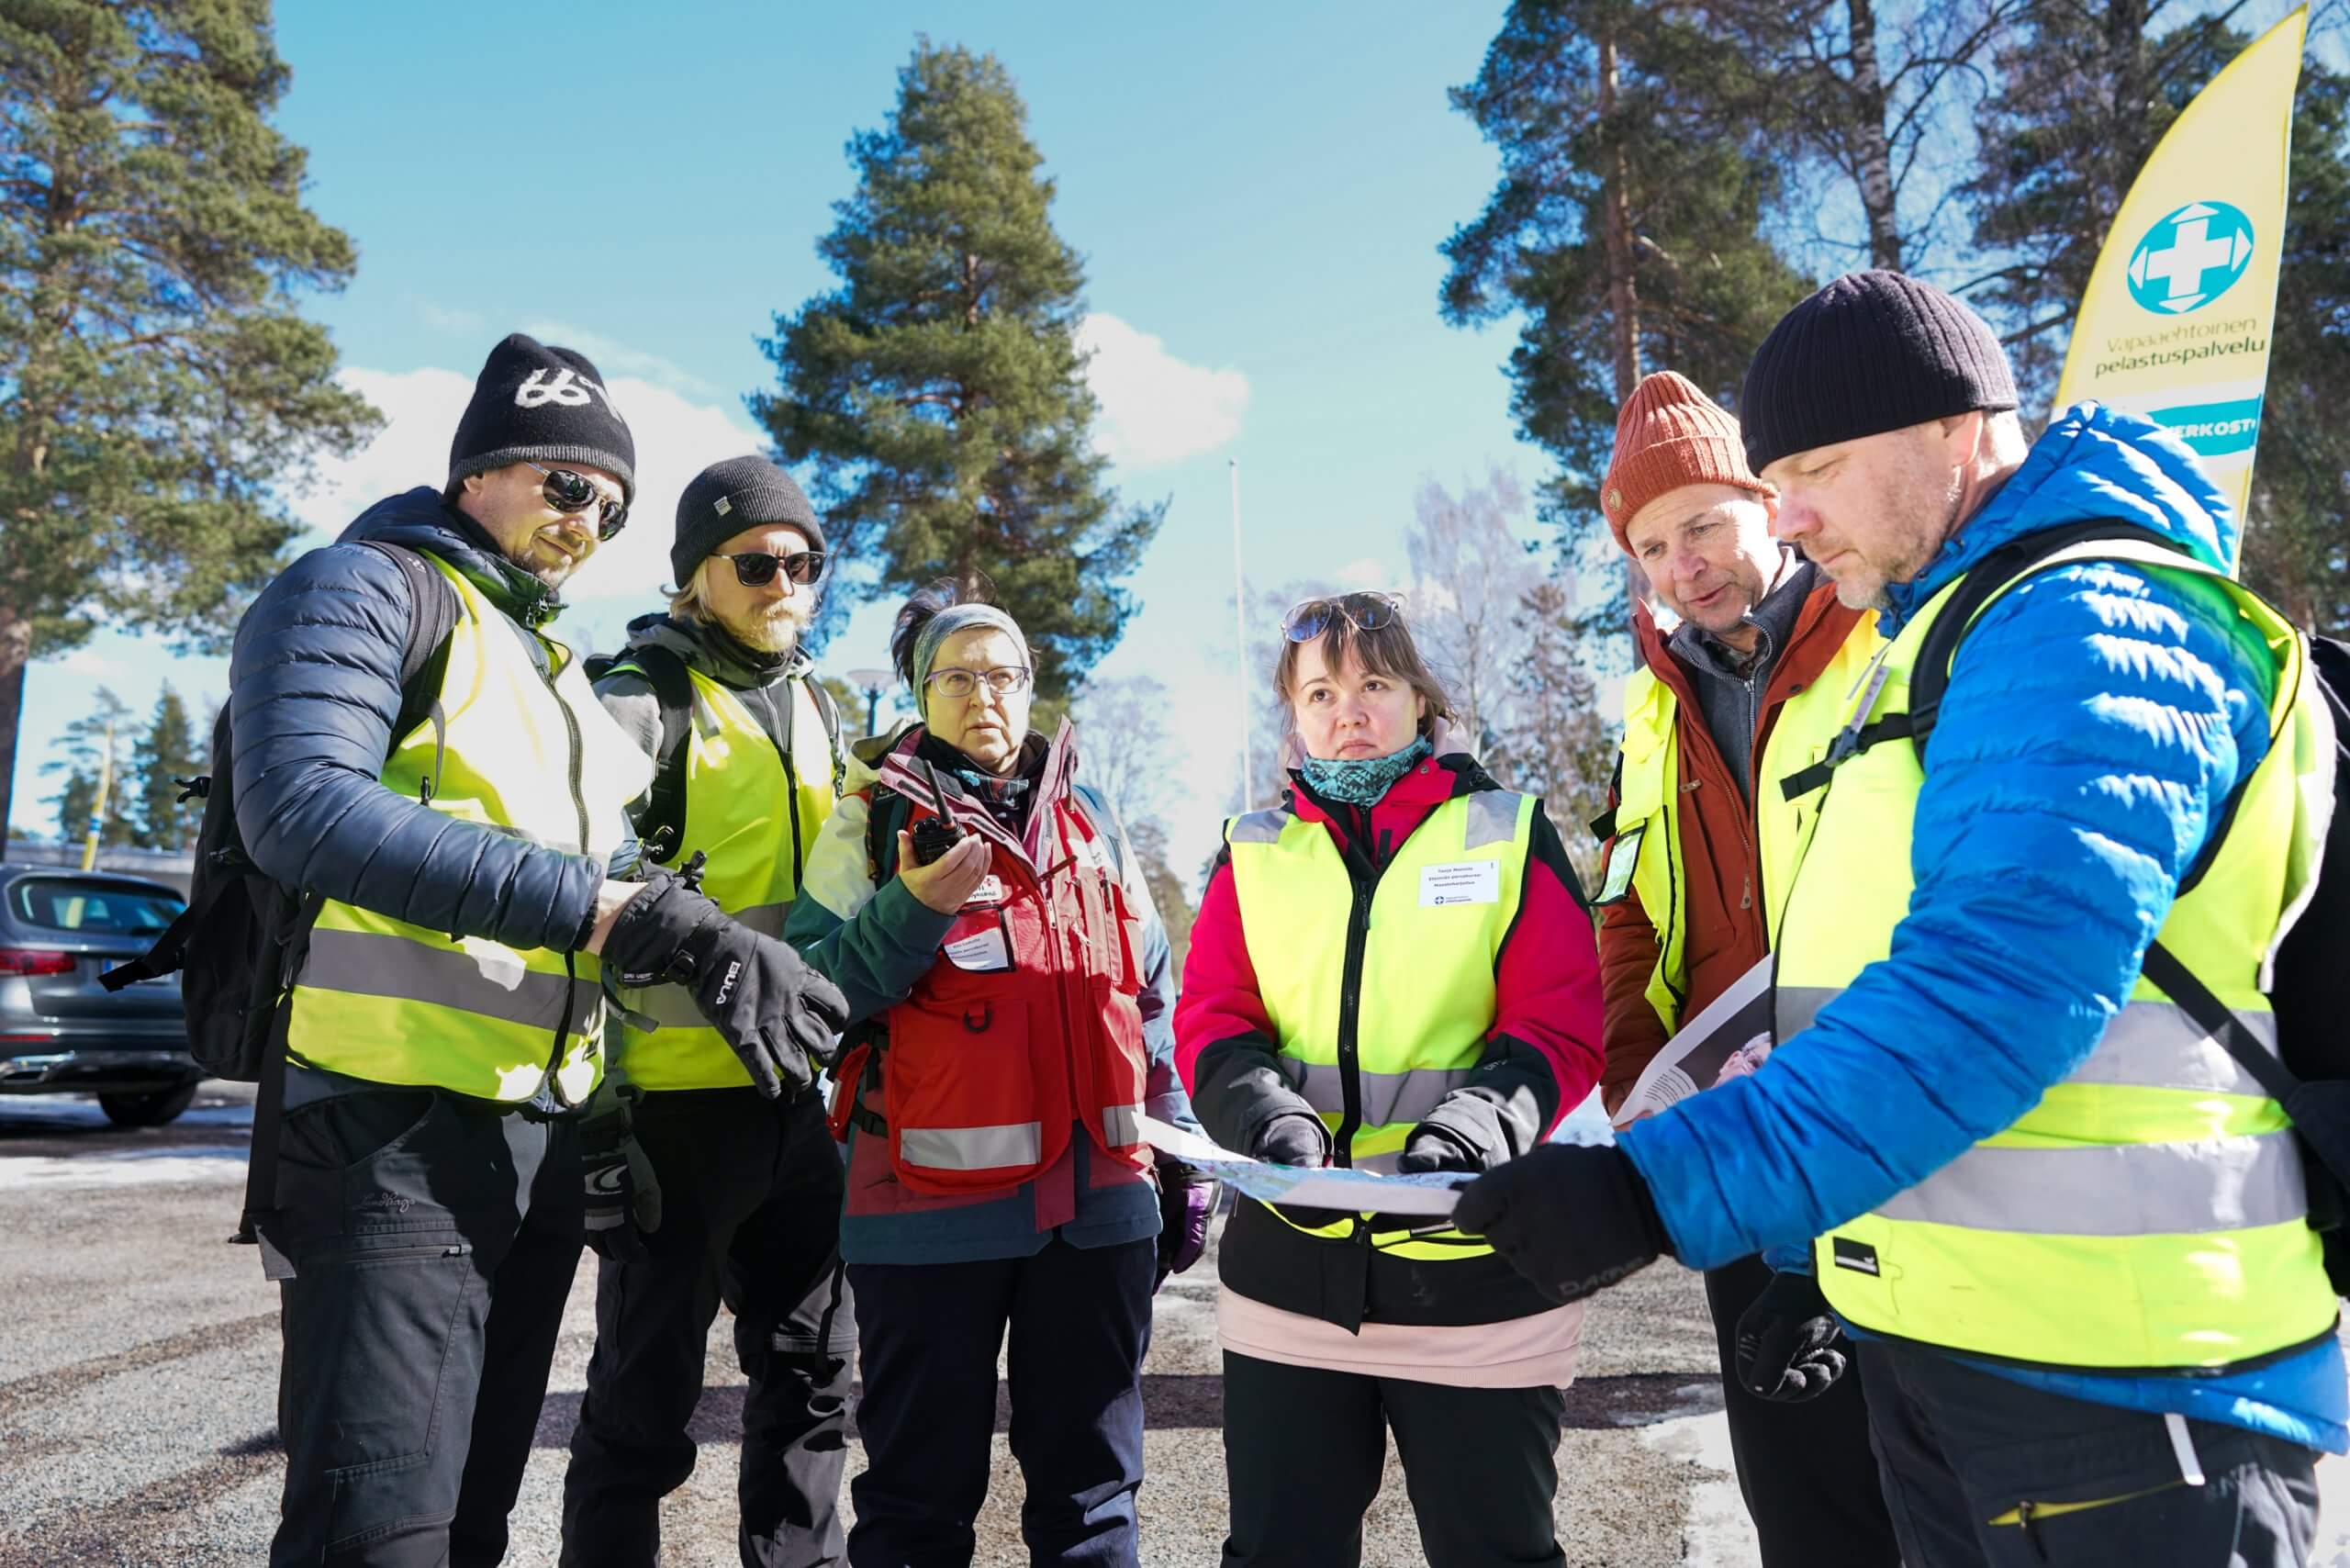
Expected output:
(774, 1012)
(1573, 1219)
(1790, 1347)
(1433, 1147)
(1296, 1137)
(623, 1196)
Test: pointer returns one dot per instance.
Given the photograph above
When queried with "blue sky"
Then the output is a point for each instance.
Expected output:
(1260, 188)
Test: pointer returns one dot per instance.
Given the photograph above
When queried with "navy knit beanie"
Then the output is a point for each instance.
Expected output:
(1872, 351)
(536, 404)
(727, 498)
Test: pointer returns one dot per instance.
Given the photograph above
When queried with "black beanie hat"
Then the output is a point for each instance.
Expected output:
(727, 498)
(533, 403)
(1872, 351)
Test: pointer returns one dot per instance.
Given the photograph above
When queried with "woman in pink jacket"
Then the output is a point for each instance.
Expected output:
(1393, 970)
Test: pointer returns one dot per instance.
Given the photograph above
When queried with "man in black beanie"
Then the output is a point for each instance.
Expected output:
(2063, 1218)
(433, 776)
(745, 742)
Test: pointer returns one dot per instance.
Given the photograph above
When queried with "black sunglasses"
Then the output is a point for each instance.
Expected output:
(755, 568)
(1368, 611)
(572, 494)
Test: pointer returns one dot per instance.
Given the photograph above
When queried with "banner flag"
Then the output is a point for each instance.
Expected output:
(2177, 317)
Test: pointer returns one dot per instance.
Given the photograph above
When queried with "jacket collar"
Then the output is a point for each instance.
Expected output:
(688, 640)
(419, 520)
(2093, 462)
(899, 771)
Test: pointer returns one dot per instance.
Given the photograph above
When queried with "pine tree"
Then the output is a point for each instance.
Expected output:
(156, 384)
(84, 745)
(163, 756)
(1561, 744)
(1626, 230)
(939, 391)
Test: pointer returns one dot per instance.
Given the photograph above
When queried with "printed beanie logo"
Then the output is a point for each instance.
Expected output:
(566, 389)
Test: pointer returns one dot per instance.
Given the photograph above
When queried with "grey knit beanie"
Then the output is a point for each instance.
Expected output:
(1872, 351)
(727, 498)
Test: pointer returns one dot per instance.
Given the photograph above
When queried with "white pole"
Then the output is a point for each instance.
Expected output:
(1241, 634)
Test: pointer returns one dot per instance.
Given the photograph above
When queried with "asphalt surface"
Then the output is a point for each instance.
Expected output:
(138, 1376)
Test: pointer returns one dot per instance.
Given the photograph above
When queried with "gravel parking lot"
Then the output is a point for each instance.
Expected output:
(139, 1373)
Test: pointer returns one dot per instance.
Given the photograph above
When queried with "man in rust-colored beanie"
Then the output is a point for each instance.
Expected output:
(1682, 906)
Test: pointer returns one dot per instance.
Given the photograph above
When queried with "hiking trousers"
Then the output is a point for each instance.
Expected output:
(1981, 1472)
(750, 1215)
(434, 1238)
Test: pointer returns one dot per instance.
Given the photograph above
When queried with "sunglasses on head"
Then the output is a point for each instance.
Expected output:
(572, 493)
(1368, 611)
(756, 568)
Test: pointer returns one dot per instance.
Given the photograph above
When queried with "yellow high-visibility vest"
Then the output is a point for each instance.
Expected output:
(508, 748)
(2148, 1215)
(1390, 995)
(754, 820)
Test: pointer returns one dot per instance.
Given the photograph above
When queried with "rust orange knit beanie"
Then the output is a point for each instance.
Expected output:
(1671, 434)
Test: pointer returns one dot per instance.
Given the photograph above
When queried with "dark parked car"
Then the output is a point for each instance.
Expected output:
(59, 1032)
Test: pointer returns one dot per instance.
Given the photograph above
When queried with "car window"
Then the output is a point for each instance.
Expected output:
(112, 909)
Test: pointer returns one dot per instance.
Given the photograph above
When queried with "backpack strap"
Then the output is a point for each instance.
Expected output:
(432, 615)
(828, 711)
(662, 825)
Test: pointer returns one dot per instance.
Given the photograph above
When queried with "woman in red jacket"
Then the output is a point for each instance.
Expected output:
(1393, 970)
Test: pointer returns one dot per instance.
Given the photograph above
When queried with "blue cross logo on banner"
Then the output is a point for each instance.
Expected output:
(2190, 258)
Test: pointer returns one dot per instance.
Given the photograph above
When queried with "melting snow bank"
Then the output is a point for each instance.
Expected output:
(129, 1167)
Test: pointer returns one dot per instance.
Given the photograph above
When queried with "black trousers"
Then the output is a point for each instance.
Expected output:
(1981, 1471)
(1079, 1319)
(1806, 1471)
(1303, 1449)
(750, 1215)
(434, 1239)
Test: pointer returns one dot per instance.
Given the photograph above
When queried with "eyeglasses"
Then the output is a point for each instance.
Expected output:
(571, 494)
(1368, 611)
(755, 568)
(1003, 680)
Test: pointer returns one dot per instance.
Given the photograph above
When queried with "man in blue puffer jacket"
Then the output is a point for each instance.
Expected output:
(443, 1023)
(1988, 1101)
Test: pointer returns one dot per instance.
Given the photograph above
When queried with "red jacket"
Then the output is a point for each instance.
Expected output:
(1542, 1055)
(1727, 936)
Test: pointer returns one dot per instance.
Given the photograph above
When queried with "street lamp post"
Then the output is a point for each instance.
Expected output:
(871, 682)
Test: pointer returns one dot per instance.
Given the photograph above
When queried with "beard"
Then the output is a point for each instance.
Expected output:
(1922, 513)
(772, 630)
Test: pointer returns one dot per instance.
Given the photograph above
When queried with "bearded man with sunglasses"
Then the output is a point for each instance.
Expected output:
(433, 776)
(724, 1196)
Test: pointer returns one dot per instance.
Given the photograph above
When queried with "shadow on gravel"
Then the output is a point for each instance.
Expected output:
(1194, 1402)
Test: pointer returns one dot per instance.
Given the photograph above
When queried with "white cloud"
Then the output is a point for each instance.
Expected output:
(1365, 572)
(1155, 407)
(677, 437)
(617, 359)
(89, 661)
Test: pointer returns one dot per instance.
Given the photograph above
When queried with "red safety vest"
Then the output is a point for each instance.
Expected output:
(1027, 1023)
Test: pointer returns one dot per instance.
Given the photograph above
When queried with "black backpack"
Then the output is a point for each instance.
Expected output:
(243, 934)
(2311, 986)
(661, 825)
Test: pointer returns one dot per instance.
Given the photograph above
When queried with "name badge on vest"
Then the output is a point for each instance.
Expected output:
(977, 943)
(1461, 881)
(989, 891)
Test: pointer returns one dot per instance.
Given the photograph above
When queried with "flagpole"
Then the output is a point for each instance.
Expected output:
(1240, 635)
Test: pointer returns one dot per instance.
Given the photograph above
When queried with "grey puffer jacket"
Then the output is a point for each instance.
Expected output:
(313, 693)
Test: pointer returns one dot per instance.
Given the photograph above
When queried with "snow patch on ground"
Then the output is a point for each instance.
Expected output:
(128, 1167)
(1717, 1533)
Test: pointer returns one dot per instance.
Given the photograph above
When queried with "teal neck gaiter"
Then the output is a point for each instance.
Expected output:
(1362, 780)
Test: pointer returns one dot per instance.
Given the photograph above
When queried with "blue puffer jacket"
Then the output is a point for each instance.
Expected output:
(2097, 717)
(313, 693)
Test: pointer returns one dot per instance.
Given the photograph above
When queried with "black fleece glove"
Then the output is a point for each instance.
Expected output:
(1433, 1147)
(1790, 1347)
(1296, 1138)
(774, 1012)
(623, 1195)
(1573, 1219)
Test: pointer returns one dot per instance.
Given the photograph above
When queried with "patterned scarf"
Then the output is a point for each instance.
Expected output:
(1362, 780)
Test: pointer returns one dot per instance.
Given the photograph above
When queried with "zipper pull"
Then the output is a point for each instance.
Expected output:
(1690, 784)
(1746, 891)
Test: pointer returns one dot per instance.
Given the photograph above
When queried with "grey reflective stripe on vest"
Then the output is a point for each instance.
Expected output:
(1493, 818)
(671, 1006)
(972, 1149)
(360, 963)
(1121, 1125)
(1387, 1097)
(766, 919)
(1259, 827)
(2137, 1189)
(2149, 1045)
